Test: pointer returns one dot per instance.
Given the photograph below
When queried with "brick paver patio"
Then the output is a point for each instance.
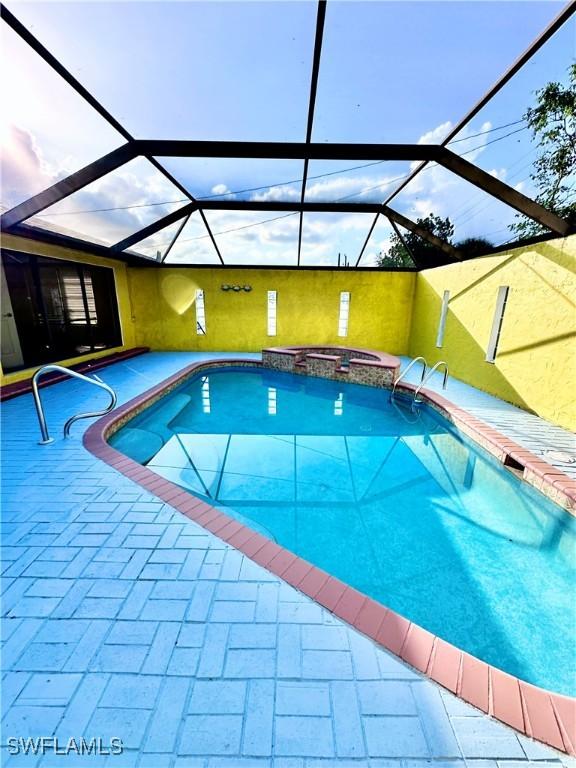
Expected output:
(123, 618)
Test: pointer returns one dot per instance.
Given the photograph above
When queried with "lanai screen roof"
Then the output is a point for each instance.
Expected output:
(274, 134)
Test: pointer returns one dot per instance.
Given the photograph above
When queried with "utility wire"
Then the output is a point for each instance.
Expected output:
(489, 130)
(214, 197)
(293, 181)
(429, 167)
(237, 229)
(285, 183)
(470, 211)
(390, 181)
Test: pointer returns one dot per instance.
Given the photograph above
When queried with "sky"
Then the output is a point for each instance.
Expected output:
(390, 72)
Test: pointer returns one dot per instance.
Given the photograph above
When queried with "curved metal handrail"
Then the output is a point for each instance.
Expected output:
(405, 371)
(404, 413)
(428, 375)
(68, 371)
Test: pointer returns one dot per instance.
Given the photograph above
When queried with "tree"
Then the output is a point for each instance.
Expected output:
(473, 246)
(398, 256)
(553, 124)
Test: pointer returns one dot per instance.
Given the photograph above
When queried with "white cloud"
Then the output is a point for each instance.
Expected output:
(438, 191)
(435, 190)
(279, 192)
(24, 171)
(436, 135)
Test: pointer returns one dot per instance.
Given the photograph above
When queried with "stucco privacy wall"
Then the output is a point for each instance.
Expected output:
(535, 366)
(27, 245)
(393, 312)
(307, 308)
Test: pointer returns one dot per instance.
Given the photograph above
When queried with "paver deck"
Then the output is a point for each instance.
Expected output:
(528, 430)
(124, 619)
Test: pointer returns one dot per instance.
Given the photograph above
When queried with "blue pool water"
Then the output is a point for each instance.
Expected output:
(403, 508)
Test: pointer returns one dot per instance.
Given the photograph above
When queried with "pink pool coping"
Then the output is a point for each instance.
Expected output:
(543, 715)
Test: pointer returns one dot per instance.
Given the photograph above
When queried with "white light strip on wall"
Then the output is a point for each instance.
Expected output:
(344, 313)
(272, 302)
(272, 401)
(442, 321)
(200, 313)
(206, 395)
(339, 405)
(497, 323)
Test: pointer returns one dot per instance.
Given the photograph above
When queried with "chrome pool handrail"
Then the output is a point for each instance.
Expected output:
(69, 372)
(405, 371)
(404, 413)
(428, 376)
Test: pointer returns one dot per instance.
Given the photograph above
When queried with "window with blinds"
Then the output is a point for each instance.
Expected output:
(79, 306)
(62, 309)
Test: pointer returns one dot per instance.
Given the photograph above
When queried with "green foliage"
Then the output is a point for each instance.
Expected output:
(553, 124)
(474, 246)
(398, 256)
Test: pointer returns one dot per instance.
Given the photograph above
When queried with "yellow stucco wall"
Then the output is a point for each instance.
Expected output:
(535, 365)
(308, 307)
(122, 290)
(395, 312)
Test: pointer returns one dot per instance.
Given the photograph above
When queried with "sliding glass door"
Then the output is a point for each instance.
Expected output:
(60, 309)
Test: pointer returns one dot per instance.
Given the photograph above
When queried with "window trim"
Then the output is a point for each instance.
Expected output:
(111, 267)
(272, 313)
(442, 320)
(497, 321)
(81, 264)
(200, 310)
(344, 313)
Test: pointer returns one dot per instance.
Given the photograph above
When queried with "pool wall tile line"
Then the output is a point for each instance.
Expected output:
(549, 480)
(545, 716)
(346, 364)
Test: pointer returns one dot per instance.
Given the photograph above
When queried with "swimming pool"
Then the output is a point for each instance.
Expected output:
(404, 509)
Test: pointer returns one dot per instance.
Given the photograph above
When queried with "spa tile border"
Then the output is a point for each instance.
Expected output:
(542, 715)
(379, 359)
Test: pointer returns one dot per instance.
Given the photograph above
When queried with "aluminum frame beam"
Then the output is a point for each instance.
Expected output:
(271, 150)
(276, 150)
(443, 156)
(320, 19)
(503, 192)
(60, 69)
(53, 62)
(416, 259)
(183, 223)
(156, 226)
(211, 235)
(411, 226)
(524, 57)
(288, 207)
(68, 186)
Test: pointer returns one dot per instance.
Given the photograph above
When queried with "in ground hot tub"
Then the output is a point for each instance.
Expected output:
(346, 364)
